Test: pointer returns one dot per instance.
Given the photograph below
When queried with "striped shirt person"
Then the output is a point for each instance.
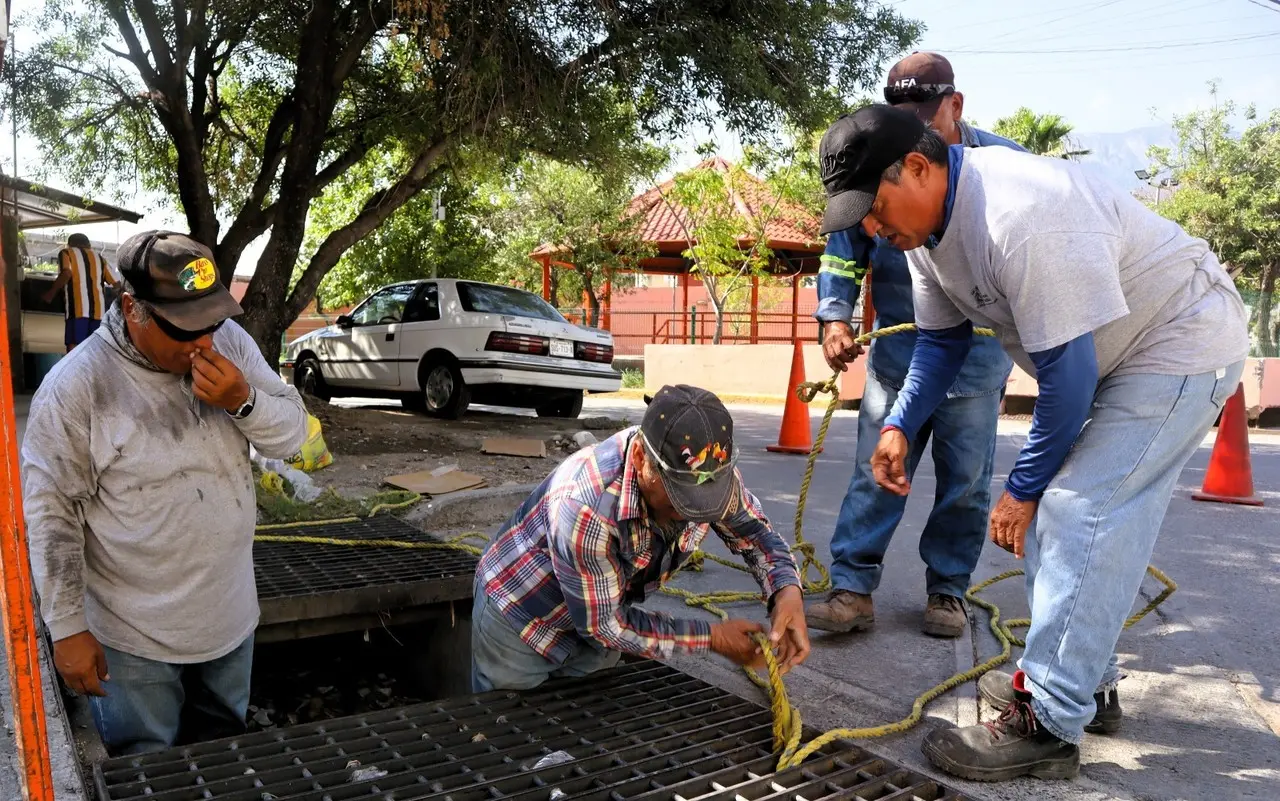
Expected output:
(82, 275)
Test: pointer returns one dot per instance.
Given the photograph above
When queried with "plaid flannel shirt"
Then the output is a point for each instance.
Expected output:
(560, 570)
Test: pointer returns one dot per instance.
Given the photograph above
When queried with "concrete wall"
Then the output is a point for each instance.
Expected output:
(763, 371)
(753, 370)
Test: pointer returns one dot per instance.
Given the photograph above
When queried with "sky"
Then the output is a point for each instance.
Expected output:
(1107, 66)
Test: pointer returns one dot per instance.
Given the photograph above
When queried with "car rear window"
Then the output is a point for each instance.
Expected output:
(489, 299)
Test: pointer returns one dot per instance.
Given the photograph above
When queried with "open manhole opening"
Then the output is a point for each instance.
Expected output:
(640, 731)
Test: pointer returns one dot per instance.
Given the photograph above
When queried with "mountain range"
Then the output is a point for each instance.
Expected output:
(1119, 155)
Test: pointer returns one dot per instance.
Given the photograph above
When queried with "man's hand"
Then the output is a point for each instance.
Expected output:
(81, 663)
(218, 382)
(889, 462)
(1009, 522)
(838, 346)
(788, 633)
(732, 639)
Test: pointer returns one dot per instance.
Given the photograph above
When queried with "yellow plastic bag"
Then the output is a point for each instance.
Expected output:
(314, 454)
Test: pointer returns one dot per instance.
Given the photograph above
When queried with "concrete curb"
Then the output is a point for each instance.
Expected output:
(479, 508)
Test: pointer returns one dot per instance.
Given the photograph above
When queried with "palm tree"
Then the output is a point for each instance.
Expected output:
(1042, 134)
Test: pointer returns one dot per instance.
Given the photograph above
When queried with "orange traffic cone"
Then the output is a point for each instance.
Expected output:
(1229, 478)
(794, 436)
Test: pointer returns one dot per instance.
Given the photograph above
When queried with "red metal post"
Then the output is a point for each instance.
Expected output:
(16, 597)
(795, 307)
(546, 278)
(606, 318)
(755, 309)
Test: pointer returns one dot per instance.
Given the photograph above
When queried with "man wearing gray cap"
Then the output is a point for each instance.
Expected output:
(140, 505)
(557, 592)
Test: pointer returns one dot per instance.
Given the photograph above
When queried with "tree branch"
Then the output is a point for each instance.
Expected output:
(136, 55)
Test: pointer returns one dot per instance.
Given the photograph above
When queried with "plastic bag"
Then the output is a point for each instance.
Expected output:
(314, 454)
(275, 473)
(554, 758)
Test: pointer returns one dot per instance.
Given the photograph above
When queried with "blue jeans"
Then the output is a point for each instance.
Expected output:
(1096, 527)
(150, 704)
(78, 329)
(500, 660)
(964, 444)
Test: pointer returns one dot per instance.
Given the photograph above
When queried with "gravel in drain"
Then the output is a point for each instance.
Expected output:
(328, 677)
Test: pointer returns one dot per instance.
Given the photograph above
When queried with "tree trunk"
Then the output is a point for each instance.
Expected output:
(1264, 329)
(593, 301)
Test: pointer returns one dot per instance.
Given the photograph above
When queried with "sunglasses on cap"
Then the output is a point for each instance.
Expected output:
(919, 93)
(179, 334)
(697, 476)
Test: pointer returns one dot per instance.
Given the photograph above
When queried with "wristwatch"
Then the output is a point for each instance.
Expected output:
(246, 407)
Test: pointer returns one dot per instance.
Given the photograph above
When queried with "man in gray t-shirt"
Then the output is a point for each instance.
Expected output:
(1136, 336)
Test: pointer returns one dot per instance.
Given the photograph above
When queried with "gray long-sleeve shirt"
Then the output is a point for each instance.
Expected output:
(139, 498)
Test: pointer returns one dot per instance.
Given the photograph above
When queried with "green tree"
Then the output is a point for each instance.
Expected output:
(245, 113)
(727, 246)
(580, 212)
(1229, 195)
(1042, 134)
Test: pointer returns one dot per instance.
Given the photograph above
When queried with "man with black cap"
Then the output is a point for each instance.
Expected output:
(1137, 338)
(140, 505)
(557, 592)
(963, 427)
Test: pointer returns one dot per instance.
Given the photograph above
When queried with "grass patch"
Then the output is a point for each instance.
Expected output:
(275, 508)
(632, 378)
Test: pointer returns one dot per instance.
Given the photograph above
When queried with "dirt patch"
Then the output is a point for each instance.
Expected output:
(370, 443)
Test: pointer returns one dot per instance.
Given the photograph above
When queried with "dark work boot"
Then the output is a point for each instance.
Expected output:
(1013, 745)
(944, 616)
(996, 688)
(843, 611)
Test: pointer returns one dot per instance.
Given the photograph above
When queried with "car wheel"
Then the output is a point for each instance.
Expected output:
(310, 381)
(444, 393)
(566, 406)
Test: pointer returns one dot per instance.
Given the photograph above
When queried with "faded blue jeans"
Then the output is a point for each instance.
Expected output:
(500, 660)
(1096, 528)
(149, 704)
(964, 442)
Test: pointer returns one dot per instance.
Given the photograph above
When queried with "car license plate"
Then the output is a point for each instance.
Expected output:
(562, 348)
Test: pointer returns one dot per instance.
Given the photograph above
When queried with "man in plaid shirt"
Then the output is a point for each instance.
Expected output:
(556, 592)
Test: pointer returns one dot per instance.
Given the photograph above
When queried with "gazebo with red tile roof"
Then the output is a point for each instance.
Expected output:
(663, 224)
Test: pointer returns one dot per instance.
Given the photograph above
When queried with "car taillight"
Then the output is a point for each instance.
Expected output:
(594, 353)
(517, 343)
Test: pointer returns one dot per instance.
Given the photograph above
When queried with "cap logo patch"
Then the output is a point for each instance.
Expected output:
(715, 451)
(197, 275)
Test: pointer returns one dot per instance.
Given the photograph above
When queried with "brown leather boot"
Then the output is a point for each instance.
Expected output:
(944, 616)
(843, 611)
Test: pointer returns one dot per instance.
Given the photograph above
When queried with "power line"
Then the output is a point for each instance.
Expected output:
(1160, 46)
(986, 23)
(1270, 5)
(1110, 23)
(1047, 22)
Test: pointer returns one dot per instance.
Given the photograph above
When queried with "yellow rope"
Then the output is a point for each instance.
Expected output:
(787, 724)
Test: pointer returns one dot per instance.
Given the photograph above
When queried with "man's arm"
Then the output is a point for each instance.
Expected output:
(57, 474)
(590, 579)
(935, 363)
(277, 426)
(64, 276)
(842, 266)
(749, 534)
(1067, 377)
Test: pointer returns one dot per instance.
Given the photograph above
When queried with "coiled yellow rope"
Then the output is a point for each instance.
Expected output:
(787, 724)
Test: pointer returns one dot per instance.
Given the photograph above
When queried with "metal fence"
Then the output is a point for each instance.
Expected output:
(632, 329)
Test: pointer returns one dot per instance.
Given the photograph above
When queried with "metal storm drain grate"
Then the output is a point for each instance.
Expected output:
(640, 731)
(308, 580)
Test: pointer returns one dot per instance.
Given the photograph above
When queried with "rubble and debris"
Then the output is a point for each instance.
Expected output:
(584, 439)
(511, 446)
(553, 759)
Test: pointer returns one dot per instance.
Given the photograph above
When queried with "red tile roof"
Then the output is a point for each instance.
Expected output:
(662, 222)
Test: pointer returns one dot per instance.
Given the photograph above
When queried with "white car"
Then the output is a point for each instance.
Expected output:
(440, 344)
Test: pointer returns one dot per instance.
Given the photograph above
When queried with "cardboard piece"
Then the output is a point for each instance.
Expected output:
(504, 446)
(434, 482)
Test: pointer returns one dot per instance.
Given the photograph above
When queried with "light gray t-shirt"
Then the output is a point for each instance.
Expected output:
(139, 498)
(1043, 252)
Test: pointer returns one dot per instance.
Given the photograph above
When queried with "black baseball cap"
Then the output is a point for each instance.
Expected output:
(688, 435)
(176, 276)
(919, 82)
(855, 152)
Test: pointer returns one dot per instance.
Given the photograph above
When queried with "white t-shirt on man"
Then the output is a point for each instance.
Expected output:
(1043, 252)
